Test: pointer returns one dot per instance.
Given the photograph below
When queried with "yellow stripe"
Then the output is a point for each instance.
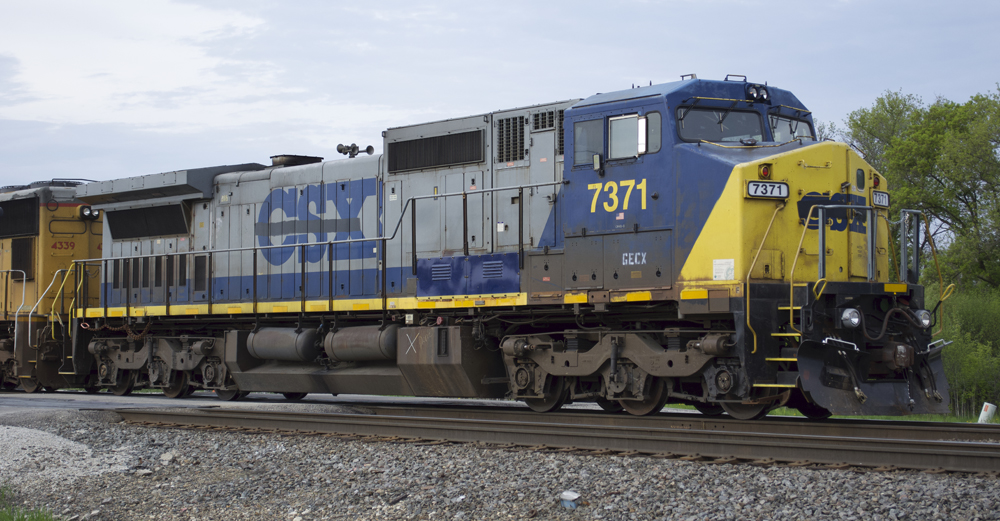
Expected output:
(578, 298)
(638, 296)
(783, 386)
(443, 302)
(786, 334)
(693, 294)
(895, 288)
(782, 359)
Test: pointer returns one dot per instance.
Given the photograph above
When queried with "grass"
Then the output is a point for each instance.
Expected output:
(9, 512)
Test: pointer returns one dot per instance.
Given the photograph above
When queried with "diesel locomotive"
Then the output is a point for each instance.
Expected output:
(690, 242)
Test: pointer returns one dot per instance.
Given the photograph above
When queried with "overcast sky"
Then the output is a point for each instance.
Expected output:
(113, 88)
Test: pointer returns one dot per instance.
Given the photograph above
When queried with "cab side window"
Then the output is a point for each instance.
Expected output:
(588, 139)
(634, 135)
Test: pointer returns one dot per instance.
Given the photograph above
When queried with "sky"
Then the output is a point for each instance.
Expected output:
(106, 89)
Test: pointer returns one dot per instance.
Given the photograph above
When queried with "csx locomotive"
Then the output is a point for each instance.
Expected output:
(690, 242)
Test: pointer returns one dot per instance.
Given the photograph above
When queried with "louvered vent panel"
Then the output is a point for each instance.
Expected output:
(510, 139)
(493, 269)
(436, 151)
(20, 217)
(441, 272)
(559, 131)
(543, 120)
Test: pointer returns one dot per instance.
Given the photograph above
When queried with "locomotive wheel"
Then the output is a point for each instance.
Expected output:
(656, 398)
(125, 383)
(228, 396)
(294, 396)
(743, 411)
(609, 405)
(179, 387)
(554, 399)
(30, 385)
(709, 409)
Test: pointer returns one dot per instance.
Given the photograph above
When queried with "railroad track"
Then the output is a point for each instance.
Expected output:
(855, 443)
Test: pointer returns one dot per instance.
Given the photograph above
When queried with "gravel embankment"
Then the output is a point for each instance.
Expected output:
(86, 465)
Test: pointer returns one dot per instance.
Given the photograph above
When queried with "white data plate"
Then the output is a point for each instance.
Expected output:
(880, 199)
(767, 189)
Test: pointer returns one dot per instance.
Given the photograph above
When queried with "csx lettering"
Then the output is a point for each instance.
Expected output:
(326, 212)
(613, 197)
(633, 259)
(841, 218)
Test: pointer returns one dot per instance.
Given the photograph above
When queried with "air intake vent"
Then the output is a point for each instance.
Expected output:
(19, 217)
(437, 151)
(559, 132)
(147, 222)
(441, 272)
(544, 120)
(510, 139)
(493, 269)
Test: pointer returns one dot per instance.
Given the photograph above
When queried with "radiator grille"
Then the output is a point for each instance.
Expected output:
(441, 272)
(493, 269)
(436, 151)
(510, 139)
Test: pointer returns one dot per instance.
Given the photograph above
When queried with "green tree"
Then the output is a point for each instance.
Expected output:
(873, 129)
(946, 163)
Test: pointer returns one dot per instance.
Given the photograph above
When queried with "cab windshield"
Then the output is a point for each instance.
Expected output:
(786, 129)
(718, 124)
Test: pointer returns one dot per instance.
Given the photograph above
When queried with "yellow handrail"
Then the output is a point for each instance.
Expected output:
(791, 275)
(752, 264)
(52, 311)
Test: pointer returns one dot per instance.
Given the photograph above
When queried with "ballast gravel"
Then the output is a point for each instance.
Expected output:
(89, 465)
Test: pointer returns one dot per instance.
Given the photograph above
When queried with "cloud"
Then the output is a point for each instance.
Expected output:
(127, 62)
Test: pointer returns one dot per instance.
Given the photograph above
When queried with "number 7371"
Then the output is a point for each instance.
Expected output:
(611, 188)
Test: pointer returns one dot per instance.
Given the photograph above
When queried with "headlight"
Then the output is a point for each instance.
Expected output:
(851, 318)
(753, 93)
(86, 211)
(924, 317)
(763, 94)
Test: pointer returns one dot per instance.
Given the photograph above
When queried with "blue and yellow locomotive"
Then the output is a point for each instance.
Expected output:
(689, 242)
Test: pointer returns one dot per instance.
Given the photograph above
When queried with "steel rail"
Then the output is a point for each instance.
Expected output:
(885, 429)
(635, 435)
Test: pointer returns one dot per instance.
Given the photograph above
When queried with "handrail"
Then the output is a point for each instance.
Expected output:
(42, 296)
(760, 248)
(52, 310)
(17, 314)
(821, 261)
(382, 238)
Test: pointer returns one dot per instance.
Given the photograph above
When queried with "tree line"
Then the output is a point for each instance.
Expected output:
(943, 158)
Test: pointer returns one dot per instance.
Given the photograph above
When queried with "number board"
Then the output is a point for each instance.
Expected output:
(767, 190)
(880, 199)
